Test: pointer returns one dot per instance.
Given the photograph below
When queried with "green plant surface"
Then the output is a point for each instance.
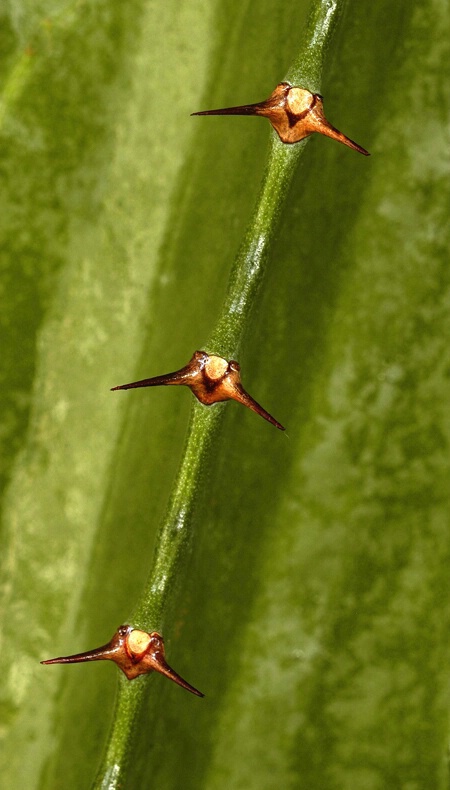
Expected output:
(313, 610)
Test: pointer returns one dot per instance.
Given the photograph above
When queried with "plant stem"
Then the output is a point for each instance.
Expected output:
(249, 266)
(175, 536)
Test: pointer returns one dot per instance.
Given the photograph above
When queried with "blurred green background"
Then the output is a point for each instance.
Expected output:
(314, 613)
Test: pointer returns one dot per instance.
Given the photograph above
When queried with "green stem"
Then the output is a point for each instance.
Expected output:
(175, 536)
(130, 697)
(176, 531)
(249, 266)
(307, 68)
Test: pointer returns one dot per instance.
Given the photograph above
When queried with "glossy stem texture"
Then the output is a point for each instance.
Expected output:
(175, 536)
(249, 266)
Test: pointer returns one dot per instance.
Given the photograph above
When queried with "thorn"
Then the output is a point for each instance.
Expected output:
(178, 377)
(212, 379)
(135, 652)
(243, 397)
(294, 113)
(160, 665)
(244, 109)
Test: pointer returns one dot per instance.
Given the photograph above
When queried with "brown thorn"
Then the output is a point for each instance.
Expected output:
(164, 669)
(110, 651)
(294, 113)
(335, 134)
(320, 124)
(212, 379)
(243, 397)
(155, 381)
(98, 654)
(181, 376)
(154, 658)
(135, 652)
(244, 109)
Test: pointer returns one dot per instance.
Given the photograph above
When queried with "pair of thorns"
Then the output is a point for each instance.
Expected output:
(212, 379)
(294, 113)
